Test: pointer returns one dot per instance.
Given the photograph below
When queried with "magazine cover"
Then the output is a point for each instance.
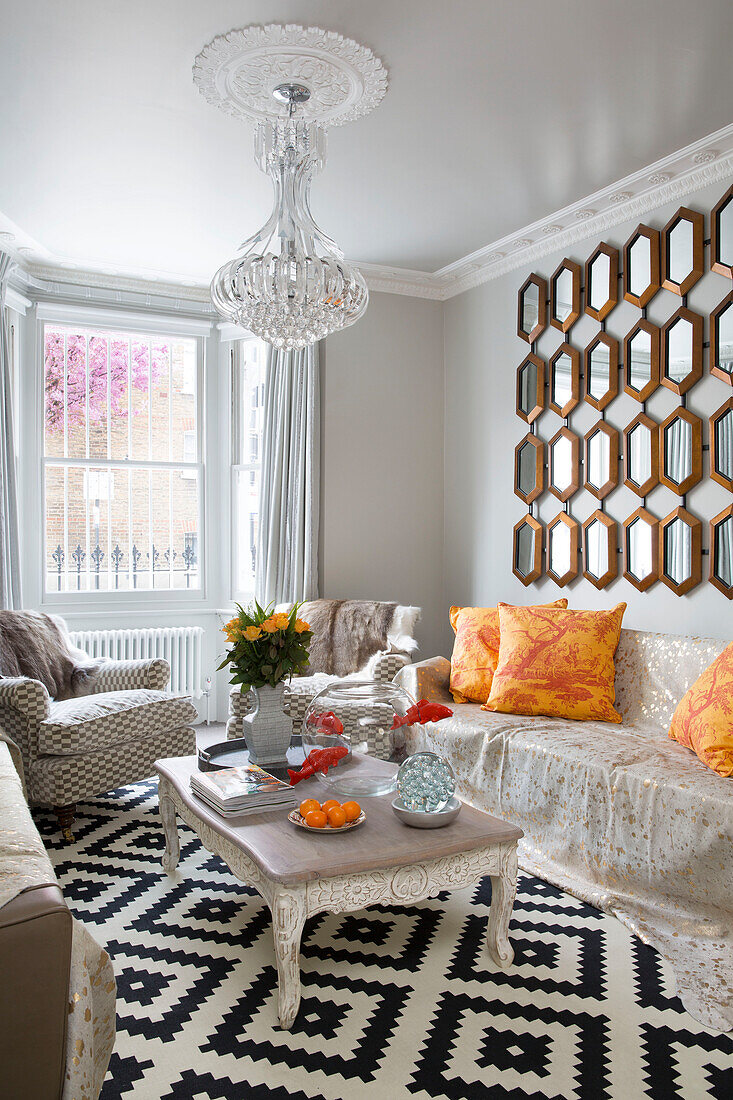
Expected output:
(238, 782)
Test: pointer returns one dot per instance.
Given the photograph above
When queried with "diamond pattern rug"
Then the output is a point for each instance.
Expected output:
(397, 1002)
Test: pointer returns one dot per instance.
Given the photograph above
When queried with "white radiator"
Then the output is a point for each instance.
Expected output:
(181, 646)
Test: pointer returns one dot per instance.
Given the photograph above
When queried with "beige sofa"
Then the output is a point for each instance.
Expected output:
(57, 987)
(619, 815)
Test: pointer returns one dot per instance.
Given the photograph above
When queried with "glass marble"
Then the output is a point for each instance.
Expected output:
(426, 782)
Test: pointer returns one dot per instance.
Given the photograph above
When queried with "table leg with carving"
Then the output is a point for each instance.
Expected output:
(503, 892)
(167, 809)
(288, 906)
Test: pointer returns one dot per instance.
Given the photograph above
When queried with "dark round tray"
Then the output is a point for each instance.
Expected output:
(234, 753)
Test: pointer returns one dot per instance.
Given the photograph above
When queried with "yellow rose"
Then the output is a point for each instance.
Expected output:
(252, 633)
(301, 626)
(270, 626)
(281, 620)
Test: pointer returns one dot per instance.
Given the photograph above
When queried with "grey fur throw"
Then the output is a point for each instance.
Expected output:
(36, 645)
(346, 633)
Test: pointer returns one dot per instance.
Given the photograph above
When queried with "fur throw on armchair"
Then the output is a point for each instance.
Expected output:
(38, 646)
(349, 634)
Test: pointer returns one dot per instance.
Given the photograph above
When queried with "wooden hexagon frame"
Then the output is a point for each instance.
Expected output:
(611, 529)
(541, 325)
(643, 421)
(715, 263)
(651, 521)
(539, 477)
(697, 268)
(726, 482)
(600, 492)
(566, 521)
(574, 356)
(715, 316)
(612, 253)
(539, 404)
(696, 570)
(649, 387)
(697, 322)
(600, 403)
(652, 235)
(536, 571)
(574, 485)
(576, 272)
(695, 474)
(715, 522)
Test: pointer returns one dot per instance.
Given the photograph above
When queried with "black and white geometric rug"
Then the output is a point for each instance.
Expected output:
(397, 1002)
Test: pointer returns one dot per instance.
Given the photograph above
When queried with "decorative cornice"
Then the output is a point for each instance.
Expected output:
(671, 179)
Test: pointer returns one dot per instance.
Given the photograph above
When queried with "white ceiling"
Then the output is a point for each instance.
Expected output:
(497, 114)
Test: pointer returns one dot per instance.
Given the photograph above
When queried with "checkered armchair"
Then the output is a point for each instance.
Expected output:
(81, 747)
(382, 666)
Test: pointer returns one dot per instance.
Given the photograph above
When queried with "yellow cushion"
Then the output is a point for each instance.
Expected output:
(476, 651)
(703, 720)
(558, 663)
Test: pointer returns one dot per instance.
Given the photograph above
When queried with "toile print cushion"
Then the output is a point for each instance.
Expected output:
(476, 651)
(703, 720)
(557, 662)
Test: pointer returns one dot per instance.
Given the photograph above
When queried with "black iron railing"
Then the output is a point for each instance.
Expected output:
(153, 561)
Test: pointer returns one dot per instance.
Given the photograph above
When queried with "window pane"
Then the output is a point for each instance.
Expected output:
(252, 394)
(247, 502)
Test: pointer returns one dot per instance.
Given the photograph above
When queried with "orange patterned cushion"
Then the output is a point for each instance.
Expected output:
(703, 720)
(558, 663)
(476, 651)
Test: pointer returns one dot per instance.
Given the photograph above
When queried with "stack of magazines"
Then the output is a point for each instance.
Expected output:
(245, 790)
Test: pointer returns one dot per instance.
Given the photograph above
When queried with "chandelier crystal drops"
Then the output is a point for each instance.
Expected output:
(289, 282)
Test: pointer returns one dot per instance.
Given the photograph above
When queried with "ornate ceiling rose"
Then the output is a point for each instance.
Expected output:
(239, 71)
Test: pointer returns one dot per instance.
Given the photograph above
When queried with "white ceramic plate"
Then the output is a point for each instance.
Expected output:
(297, 819)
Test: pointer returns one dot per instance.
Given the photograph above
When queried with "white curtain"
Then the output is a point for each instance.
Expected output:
(287, 544)
(9, 543)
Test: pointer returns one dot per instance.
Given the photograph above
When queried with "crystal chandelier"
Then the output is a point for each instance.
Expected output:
(289, 283)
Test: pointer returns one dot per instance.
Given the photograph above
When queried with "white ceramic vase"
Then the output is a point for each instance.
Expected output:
(267, 729)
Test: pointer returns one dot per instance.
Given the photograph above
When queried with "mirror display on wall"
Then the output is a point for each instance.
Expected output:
(562, 549)
(641, 450)
(641, 356)
(681, 447)
(599, 549)
(601, 371)
(601, 460)
(529, 471)
(564, 370)
(565, 296)
(641, 541)
(680, 548)
(721, 232)
(527, 564)
(601, 282)
(532, 308)
(641, 266)
(721, 445)
(530, 388)
(721, 551)
(683, 251)
(721, 340)
(564, 464)
(682, 351)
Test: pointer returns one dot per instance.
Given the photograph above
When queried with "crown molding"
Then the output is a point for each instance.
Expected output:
(670, 179)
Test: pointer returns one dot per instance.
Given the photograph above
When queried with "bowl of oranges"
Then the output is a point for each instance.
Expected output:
(329, 817)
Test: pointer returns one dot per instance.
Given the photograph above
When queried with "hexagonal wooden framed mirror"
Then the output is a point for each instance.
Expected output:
(641, 360)
(680, 448)
(564, 476)
(683, 251)
(600, 363)
(721, 551)
(527, 550)
(601, 281)
(529, 468)
(721, 236)
(641, 455)
(721, 340)
(564, 372)
(562, 549)
(599, 549)
(641, 266)
(721, 445)
(532, 308)
(641, 549)
(530, 388)
(680, 551)
(601, 459)
(681, 351)
(565, 295)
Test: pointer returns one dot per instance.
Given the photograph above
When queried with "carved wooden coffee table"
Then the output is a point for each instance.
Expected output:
(300, 873)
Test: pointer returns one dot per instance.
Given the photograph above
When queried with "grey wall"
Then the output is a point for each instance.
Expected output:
(482, 352)
(382, 460)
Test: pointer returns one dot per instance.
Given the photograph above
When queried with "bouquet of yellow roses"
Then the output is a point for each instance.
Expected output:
(265, 648)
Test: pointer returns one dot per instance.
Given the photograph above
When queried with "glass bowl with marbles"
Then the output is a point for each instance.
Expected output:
(426, 784)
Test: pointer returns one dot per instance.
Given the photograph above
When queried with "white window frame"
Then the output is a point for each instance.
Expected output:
(79, 602)
(239, 430)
